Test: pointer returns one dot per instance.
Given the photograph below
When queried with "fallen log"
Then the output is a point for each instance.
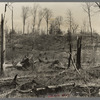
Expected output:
(24, 91)
(51, 88)
(43, 90)
(22, 77)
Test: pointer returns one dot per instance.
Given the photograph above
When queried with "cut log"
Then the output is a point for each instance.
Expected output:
(9, 79)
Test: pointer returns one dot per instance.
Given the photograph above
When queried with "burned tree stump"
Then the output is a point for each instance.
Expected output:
(69, 59)
(70, 47)
(78, 56)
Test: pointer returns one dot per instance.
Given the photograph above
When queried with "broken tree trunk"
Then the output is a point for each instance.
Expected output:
(2, 43)
(78, 59)
(70, 48)
(69, 59)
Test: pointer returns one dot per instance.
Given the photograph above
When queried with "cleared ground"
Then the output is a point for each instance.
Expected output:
(58, 74)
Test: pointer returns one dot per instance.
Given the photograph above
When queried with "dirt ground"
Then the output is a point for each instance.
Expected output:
(46, 75)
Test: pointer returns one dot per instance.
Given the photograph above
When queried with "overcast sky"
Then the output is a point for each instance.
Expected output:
(58, 9)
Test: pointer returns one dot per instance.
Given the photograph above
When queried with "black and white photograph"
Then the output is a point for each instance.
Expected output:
(49, 49)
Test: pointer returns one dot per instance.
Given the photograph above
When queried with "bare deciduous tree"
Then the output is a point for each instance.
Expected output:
(97, 7)
(52, 27)
(59, 20)
(98, 4)
(88, 9)
(24, 15)
(41, 14)
(48, 15)
(74, 27)
(34, 13)
(55, 25)
(69, 19)
(84, 26)
(6, 27)
(70, 47)
(28, 25)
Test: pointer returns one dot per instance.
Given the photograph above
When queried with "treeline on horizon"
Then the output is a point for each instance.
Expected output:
(44, 16)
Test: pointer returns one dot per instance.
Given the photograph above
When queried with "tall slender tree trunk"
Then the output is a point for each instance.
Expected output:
(23, 26)
(39, 26)
(2, 43)
(69, 59)
(34, 23)
(47, 26)
(12, 20)
(59, 26)
(33, 28)
(90, 27)
(70, 48)
(70, 25)
(93, 46)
